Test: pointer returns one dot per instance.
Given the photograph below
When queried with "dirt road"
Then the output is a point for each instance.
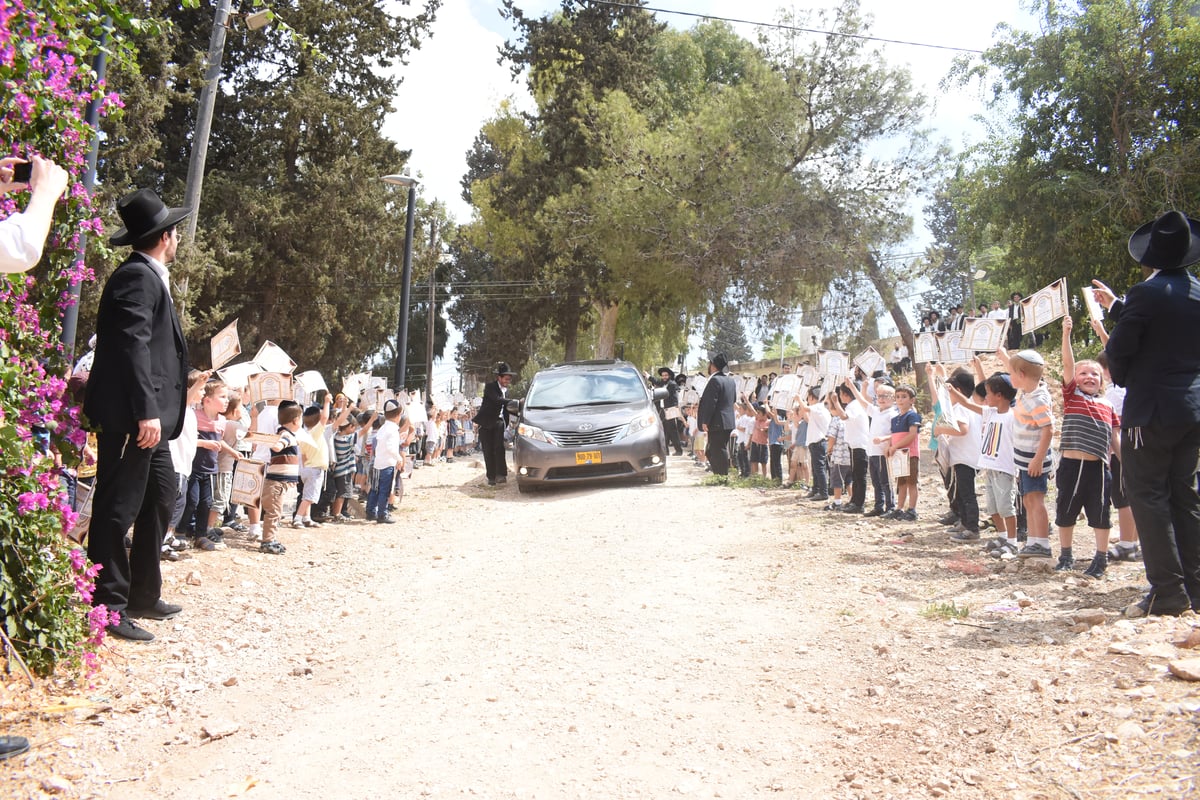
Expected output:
(631, 642)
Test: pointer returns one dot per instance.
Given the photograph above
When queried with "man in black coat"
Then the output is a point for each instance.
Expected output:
(135, 400)
(1154, 352)
(491, 421)
(670, 419)
(715, 415)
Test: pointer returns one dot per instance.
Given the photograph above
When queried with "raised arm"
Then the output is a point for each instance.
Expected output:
(1068, 355)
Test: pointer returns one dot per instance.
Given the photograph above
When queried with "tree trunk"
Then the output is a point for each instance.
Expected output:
(888, 294)
(571, 343)
(606, 344)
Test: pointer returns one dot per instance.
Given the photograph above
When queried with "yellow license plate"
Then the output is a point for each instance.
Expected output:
(590, 457)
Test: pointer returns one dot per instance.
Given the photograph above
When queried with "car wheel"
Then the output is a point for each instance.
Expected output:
(525, 487)
(658, 477)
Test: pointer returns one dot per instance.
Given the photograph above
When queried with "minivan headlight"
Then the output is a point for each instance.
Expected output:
(640, 423)
(535, 433)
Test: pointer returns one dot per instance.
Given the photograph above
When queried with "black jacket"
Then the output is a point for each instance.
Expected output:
(716, 403)
(492, 411)
(140, 367)
(1154, 350)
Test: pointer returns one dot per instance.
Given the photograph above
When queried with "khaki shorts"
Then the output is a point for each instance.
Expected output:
(222, 485)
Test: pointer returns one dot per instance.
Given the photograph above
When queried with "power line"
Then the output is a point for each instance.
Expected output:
(781, 26)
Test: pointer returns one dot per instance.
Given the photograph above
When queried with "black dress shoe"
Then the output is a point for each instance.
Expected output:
(129, 630)
(160, 610)
(12, 746)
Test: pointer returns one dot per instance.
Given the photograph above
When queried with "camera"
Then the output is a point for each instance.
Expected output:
(22, 173)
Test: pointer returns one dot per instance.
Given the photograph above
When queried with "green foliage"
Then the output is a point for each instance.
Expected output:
(945, 611)
(1105, 136)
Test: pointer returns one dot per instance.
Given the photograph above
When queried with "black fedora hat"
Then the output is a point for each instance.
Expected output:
(1170, 242)
(145, 214)
(502, 369)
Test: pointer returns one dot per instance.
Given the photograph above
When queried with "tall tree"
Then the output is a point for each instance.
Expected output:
(1105, 135)
(293, 213)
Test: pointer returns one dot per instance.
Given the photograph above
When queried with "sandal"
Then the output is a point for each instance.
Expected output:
(272, 547)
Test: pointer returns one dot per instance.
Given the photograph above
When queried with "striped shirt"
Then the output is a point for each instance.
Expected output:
(1088, 422)
(1033, 412)
(343, 453)
(279, 468)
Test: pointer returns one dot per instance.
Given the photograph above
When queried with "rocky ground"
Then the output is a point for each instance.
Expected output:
(626, 642)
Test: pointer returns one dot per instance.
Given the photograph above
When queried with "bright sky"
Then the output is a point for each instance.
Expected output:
(454, 83)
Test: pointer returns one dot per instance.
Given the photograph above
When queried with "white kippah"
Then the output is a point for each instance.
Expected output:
(1032, 356)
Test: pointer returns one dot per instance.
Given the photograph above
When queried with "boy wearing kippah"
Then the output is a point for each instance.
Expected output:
(1034, 427)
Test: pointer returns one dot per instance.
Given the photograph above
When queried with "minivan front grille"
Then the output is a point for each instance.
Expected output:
(586, 438)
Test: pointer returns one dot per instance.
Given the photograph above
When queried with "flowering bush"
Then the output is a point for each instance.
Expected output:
(46, 84)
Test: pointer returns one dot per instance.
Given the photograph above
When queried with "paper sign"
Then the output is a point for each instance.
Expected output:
(925, 348)
(249, 477)
(237, 376)
(352, 387)
(269, 386)
(1095, 310)
(313, 382)
(785, 390)
(272, 359)
(983, 335)
(267, 439)
(833, 364)
(870, 361)
(898, 464)
(225, 346)
(84, 521)
(1044, 306)
(951, 349)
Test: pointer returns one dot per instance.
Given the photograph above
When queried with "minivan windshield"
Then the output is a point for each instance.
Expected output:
(593, 387)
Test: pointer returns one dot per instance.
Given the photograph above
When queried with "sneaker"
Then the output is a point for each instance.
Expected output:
(1118, 553)
(1065, 564)
(895, 513)
(175, 543)
(274, 548)
(1150, 605)
(337, 519)
(310, 523)
(385, 519)
(874, 512)
(834, 507)
(1006, 548)
(217, 539)
(818, 498)
(995, 543)
(908, 516)
(1034, 551)
(965, 537)
(1097, 567)
(238, 527)
(851, 508)
(204, 543)
(948, 520)
(167, 554)
(129, 630)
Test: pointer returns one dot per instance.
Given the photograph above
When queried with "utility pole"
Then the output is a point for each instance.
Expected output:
(433, 248)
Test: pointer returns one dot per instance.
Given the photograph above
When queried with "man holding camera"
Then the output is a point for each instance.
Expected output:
(23, 235)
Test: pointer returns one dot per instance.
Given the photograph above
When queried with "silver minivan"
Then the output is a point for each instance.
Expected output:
(585, 421)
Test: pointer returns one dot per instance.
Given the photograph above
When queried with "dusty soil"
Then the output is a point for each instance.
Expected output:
(627, 642)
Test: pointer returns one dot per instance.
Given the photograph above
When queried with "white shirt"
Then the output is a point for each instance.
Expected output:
(744, 427)
(387, 446)
(183, 446)
(858, 426)
(996, 450)
(881, 426)
(818, 423)
(998, 313)
(268, 422)
(18, 251)
(965, 449)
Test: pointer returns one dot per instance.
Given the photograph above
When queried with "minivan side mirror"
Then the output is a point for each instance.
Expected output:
(661, 393)
(513, 406)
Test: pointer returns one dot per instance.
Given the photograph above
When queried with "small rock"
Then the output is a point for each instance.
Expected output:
(300, 672)
(876, 691)
(230, 681)
(1186, 668)
(970, 777)
(193, 578)
(1130, 730)
(1124, 682)
(892, 724)
(56, 785)
(242, 562)
(789, 703)
(1121, 711)
(1089, 616)
(1189, 642)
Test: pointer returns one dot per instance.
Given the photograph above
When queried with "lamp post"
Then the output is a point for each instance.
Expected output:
(406, 277)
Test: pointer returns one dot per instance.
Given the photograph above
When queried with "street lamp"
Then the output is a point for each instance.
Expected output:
(406, 278)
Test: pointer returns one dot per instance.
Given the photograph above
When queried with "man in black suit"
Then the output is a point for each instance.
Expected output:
(491, 421)
(715, 415)
(1154, 352)
(135, 400)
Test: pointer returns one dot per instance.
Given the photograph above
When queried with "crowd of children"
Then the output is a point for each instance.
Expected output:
(992, 438)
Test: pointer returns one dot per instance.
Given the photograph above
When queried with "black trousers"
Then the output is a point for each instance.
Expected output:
(777, 462)
(718, 450)
(858, 467)
(491, 440)
(1159, 465)
(671, 429)
(134, 487)
(963, 499)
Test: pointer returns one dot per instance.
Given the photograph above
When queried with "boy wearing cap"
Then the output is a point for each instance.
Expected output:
(1033, 428)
